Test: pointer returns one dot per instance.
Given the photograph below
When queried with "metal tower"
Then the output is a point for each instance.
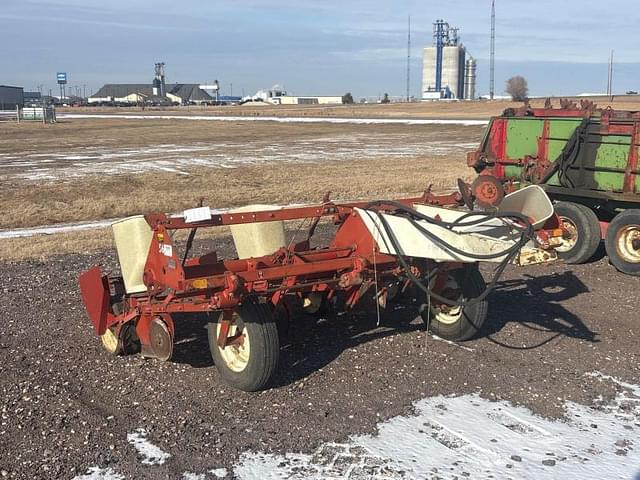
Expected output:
(409, 58)
(492, 67)
(610, 76)
(440, 35)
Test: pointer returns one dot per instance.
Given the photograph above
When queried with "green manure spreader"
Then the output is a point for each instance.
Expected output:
(587, 161)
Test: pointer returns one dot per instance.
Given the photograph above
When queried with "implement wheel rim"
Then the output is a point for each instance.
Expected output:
(236, 357)
(569, 234)
(109, 341)
(628, 243)
(446, 314)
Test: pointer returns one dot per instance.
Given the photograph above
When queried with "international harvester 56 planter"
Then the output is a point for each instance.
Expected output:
(426, 247)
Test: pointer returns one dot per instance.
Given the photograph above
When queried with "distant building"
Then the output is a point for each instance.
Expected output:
(11, 97)
(278, 96)
(133, 93)
(32, 98)
(295, 100)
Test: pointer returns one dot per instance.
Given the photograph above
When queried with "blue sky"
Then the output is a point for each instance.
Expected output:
(314, 47)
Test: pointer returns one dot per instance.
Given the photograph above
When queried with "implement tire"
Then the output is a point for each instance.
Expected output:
(459, 323)
(583, 238)
(251, 365)
(623, 242)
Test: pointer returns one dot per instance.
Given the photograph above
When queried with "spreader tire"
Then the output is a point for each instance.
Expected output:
(623, 242)
(583, 237)
(249, 366)
(459, 323)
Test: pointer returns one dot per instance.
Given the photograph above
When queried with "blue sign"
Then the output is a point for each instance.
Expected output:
(62, 77)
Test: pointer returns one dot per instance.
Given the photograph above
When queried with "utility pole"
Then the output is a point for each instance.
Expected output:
(610, 76)
(409, 58)
(492, 77)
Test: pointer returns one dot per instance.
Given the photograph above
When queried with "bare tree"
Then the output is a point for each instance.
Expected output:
(518, 88)
(347, 98)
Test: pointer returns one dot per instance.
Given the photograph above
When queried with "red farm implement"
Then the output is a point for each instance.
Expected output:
(429, 243)
(585, 158)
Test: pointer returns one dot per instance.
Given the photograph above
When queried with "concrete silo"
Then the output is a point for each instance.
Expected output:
(470, 79)
(444, 65)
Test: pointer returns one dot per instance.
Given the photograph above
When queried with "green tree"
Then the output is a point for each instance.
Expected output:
(386, 98)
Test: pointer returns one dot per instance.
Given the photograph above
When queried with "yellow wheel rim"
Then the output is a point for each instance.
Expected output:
(109, 341)
(447, 315)
(235, 357)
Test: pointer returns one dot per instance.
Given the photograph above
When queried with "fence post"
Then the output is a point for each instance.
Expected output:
(18, 113)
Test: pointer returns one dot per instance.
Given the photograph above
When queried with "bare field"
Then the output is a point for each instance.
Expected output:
(440, 110)
(107, 169)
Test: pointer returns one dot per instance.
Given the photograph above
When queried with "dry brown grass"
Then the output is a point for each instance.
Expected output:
(28, 203)
(122, 195)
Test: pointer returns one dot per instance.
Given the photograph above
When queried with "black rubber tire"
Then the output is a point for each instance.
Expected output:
(258, 322)
(472, 317)
(629, 218)
(588, 232)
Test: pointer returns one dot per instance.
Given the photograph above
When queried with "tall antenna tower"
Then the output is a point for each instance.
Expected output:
(492, 76)
(610, 76)
(409, 58)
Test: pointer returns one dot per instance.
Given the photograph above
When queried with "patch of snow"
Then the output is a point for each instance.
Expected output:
(231, 118)
(219, 472)
(468, 436)
(96, 473)
(148, 453)
(193, 476)
(53, 229)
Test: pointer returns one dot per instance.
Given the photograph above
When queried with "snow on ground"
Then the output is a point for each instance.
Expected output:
(232, 118)
(96, 473)
(463, 437)
(181, 159)
(51, 229)
(148, 453)
(467, 436)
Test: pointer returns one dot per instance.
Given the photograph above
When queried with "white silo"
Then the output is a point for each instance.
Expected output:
(444, 65)
(470, 79)
(453, 59)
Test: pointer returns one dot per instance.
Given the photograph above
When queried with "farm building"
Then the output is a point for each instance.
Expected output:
(181, 93)
(11, 97)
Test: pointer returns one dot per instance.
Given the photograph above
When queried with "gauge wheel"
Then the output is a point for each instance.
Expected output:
(580, 232)
(623, 242)
(110, 342)
(458, 323)
(124, 343)
(250, 361)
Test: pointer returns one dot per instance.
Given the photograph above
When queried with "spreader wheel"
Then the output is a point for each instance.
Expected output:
(623, 242)
(250, 357)
(458, 323)
(487, 191)
(581, 232)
